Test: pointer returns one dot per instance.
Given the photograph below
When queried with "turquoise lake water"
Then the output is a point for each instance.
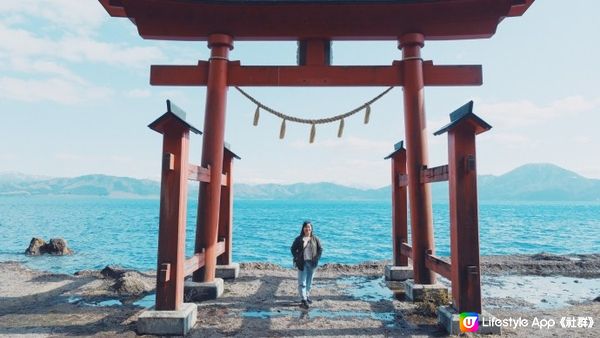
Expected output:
(124, 231)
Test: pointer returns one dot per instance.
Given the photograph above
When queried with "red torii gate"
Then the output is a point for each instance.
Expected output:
(315, 24)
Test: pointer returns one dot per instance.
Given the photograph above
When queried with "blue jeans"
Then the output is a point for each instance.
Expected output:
(305, 278)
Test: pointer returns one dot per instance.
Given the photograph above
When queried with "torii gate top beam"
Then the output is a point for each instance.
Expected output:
(260, 20)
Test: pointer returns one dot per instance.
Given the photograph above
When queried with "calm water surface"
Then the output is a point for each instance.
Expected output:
(124, 231)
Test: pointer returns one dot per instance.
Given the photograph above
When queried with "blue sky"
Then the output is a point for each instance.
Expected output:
(76, 99)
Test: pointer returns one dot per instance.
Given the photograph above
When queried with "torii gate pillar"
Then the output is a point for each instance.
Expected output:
(212, 155)
(416, 155)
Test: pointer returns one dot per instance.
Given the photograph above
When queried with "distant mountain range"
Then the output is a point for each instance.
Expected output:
(530, 182)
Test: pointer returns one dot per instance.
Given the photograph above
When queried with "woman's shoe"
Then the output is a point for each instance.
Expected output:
(309, 301)
(304, 304)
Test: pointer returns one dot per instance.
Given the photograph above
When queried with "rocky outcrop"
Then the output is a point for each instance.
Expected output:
(127, 283)
(56, 246)
(131, 283)
(35, 247)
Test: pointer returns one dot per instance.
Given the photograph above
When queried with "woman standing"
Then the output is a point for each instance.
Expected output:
(306, 250)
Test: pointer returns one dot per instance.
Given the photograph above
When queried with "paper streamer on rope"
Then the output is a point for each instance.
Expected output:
(313, 122)
(341, 128)
(282, 130)
(256, 116)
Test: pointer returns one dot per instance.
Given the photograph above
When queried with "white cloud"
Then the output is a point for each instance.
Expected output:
(525, 113)
(346, 144)
(68, 157)
(19, 43)
(138, 93)
(86, 49)
(74, 15)
(511, 140)
(257, 180)
(44, 67)
(51, 89)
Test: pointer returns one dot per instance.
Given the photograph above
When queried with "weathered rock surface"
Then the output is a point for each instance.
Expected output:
(56, 246)
(127, 283)
(131, 283)
(35, 247)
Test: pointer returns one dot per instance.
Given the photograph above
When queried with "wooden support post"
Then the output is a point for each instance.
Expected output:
(226, 211)
(416, 155)
(212, 155)
(464, 227)
(173, 206)
(399, 204)
(464, 230)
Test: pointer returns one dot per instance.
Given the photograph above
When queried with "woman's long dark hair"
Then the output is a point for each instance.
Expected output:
(305, 224)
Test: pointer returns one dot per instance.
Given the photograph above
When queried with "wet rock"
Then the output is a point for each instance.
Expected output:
(127, 283)
(113, 271)
(131, 283)
(544, 256)
(597, 299)
(35, 247)
(56, 246)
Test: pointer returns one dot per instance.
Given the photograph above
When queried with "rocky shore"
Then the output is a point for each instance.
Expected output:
(350, 300)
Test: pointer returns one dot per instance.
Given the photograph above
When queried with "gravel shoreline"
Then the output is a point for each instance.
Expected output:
(350, 300)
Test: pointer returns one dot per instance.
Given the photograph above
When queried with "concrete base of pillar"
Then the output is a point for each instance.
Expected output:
(198, 292)
(231, 271)
(398, 273)
(416, 292)
(449, 319)
(178, 322)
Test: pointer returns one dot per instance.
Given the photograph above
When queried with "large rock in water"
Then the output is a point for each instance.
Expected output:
(35, 247)
(56, 246)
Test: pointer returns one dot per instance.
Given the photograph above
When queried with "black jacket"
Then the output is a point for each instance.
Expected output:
(298, 251)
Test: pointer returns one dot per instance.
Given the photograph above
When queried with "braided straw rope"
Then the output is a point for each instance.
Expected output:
(314, 121)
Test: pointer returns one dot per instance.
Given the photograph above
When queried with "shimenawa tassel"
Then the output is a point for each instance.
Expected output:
(341, 128)
(313, 131)
(282, 130)
(256, 116)
(367, 113)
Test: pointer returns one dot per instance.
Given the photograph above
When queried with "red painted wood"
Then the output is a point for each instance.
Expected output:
(314, 52)
(455, 75)
(290, 20)
(436, 174)
(194, 263)
(399, 208)
(198, 173)
(212, 155)
(438, 265)
(172, 75)
(201, 174)
(406, 250)
(403, 180)
(197, 261)
(226, 211)
(416, 156)
(315, 75)
(173, 206)
(464, 228)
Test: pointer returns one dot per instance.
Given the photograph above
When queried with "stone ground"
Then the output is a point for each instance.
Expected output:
(262, 302)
